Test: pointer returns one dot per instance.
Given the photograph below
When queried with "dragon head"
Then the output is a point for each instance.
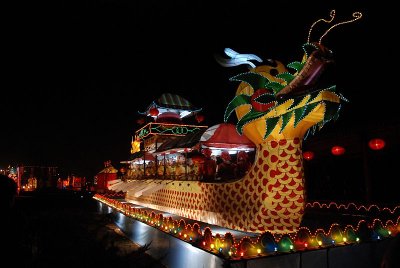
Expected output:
(272, 103)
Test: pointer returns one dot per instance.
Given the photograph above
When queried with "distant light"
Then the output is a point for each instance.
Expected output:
(308, 155)
(376, 144)
(199, 118)
(337, 150)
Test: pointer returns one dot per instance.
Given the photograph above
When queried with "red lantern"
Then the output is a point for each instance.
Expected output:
(337, 150)
(140, 121)
(376, 144)
(199, 118)
(154, 111)
(308, 155)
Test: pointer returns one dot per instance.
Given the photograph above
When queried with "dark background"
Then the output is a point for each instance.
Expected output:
(77, 72)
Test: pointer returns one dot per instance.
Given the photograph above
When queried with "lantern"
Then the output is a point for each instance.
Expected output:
(140, 121)
(376, 144)
(199, 118)
(337, 150)
(308, 155)
(154, 111)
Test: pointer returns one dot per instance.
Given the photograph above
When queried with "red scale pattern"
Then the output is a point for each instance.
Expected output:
(269, 198)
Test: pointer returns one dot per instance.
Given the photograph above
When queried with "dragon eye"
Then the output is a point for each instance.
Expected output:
(273, 72)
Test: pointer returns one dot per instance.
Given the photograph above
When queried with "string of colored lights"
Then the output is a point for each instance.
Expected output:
(354, 206)
(267, 243)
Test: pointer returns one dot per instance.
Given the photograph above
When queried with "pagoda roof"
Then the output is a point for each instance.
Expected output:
(108, 169)
(168, 102)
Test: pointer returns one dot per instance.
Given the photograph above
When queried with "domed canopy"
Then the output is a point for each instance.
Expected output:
(225, 136)
(171, 103)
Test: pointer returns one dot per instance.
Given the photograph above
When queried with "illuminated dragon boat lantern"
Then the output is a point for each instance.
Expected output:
(275, 110)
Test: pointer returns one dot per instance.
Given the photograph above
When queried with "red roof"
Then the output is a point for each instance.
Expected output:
(226, 136)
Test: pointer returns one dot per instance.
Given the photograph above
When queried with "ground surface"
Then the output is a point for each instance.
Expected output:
(63, 229)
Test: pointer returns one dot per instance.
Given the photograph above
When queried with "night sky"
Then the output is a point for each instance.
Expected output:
(77, 72)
